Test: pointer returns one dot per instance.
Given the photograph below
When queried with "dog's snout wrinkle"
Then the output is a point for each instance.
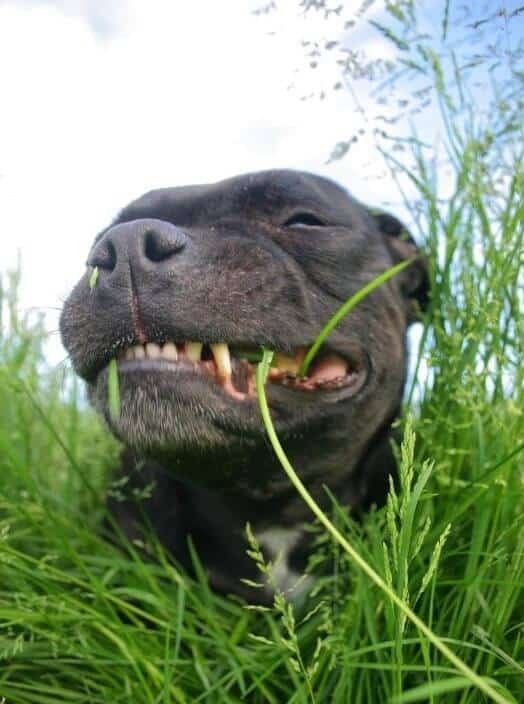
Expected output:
(138, 326)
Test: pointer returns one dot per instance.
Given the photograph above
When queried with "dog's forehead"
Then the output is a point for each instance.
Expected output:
(265, 192)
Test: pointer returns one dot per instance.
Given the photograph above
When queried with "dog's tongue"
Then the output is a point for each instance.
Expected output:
(324, 368)
(326, 371)
(328, 368)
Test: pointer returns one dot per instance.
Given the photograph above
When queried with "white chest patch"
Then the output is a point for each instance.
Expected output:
(278, 543)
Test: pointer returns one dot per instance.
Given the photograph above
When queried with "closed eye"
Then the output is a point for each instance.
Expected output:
(304, 220)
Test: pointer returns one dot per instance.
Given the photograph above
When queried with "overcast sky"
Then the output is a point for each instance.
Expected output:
(101, 101)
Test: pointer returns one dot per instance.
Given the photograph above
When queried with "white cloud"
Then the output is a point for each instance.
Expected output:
(104, 18)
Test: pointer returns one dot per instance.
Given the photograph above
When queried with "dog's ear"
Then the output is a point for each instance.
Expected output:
(414, 280)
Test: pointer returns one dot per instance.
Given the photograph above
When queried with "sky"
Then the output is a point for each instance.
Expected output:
(102, 101)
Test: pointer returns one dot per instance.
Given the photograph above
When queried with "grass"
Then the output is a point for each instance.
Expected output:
(84, 621)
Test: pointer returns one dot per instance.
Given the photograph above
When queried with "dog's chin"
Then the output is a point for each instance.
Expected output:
(163, 414)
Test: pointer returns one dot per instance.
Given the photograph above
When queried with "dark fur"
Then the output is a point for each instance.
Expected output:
(237, 273)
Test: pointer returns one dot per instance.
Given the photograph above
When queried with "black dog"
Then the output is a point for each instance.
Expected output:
(193, 280)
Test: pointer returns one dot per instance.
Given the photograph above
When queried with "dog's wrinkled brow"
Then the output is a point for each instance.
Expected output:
(268, 194)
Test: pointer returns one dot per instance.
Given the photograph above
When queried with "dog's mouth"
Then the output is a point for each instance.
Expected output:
(233, 367)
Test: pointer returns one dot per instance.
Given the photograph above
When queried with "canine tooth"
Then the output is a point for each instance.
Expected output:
(129, 354)
(139, 352)
(222, 359)
(194, 351)
(152, 350)
(169, 351)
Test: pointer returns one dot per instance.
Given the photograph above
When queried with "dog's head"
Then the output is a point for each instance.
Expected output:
(192, 281)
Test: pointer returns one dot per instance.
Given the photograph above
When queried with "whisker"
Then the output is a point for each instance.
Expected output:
(33, 309)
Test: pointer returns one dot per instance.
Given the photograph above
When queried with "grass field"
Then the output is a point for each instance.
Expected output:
(84, 621)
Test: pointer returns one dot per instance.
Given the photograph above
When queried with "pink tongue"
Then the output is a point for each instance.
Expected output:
(328, 368)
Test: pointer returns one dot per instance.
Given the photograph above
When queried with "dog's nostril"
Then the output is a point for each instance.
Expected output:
(160, 245)
(103, 256)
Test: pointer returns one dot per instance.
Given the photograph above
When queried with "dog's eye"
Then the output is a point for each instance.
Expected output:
(304, 220)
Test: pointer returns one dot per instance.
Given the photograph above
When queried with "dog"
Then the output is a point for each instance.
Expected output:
(183, 288)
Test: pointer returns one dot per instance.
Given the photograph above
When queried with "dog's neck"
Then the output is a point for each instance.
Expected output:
(259, 491)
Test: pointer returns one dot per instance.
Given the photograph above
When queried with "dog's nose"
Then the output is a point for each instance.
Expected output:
(142, 244)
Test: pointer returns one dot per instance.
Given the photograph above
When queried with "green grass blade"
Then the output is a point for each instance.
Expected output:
(113, 387)
(93, 278)
(452, 684)
(346, 308)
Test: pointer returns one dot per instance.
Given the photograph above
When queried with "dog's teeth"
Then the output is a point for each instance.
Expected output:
(129, 354)
(139, 352)
(153, 351)
(194, 351)
(169, 352)
(284, 363)
(222, 359)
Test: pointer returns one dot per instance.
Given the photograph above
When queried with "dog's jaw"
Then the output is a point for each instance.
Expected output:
(170, 404)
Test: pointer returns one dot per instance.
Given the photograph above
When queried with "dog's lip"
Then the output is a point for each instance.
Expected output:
(202, 370)
(322, 379)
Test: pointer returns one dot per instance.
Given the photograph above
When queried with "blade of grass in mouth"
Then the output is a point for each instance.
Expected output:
(346, 308)
(256, 356)
(113, 388)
